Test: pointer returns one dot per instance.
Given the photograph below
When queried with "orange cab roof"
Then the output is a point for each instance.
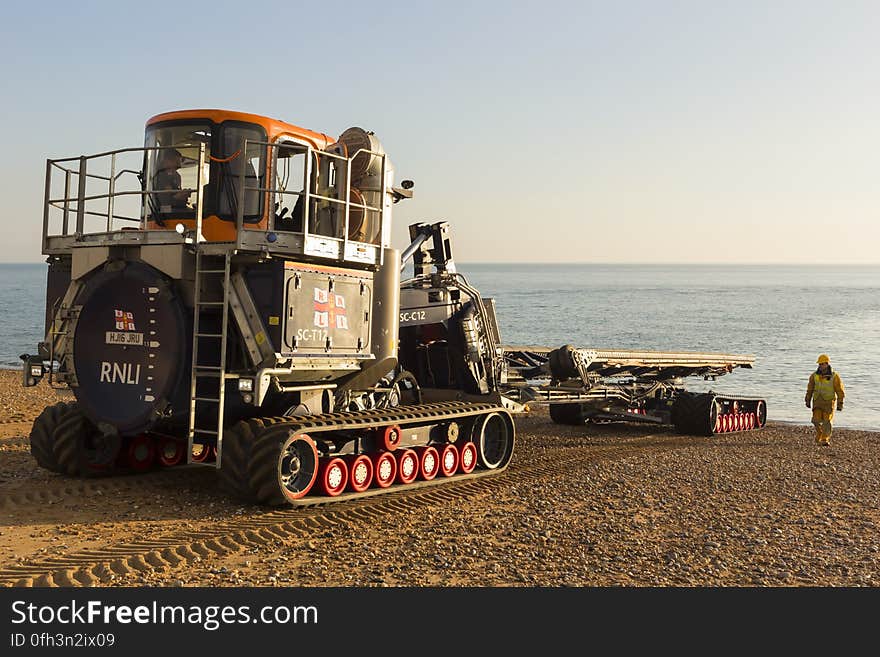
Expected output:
(273, 127)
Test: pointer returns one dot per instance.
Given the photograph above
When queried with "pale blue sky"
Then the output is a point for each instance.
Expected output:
(543, 131)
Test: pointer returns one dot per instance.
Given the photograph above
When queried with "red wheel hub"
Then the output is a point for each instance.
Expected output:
(384, 469)
(171, 451)
(407, 466)
(449, 460)
(429, 462)
(390, 437)
(467, 458)
(360, 472)
(141, 452)
(333, 476)
(201, 452)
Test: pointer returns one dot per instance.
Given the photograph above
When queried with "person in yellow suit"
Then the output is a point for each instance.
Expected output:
(823, 388)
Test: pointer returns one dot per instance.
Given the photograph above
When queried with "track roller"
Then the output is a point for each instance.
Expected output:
(389, 437)
(141, 452)
(332, 476)
(171, 451)
(201, 452)
(360, 472)
(407, 466)
(448, 460)
(429, 462)
(384, 469)
(467, 458)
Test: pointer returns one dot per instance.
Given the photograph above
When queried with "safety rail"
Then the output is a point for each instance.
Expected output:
(311, 240)
(111, 187)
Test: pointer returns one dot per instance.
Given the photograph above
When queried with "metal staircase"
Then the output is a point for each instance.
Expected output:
(208, 374)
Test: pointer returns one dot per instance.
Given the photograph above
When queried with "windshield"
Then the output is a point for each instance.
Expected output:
(242, 154)
(171, 169)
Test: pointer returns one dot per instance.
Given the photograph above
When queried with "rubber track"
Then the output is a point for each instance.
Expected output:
(261, 439)
(97, 566)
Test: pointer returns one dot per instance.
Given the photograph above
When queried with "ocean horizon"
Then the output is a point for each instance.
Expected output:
(783, 315)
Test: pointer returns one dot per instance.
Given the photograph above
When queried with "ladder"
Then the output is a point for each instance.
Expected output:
(208, 375)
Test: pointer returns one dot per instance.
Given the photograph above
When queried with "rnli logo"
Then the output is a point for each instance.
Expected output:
(330, 310)
(124, 320)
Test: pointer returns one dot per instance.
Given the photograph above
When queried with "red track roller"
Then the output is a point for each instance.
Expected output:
(407, 466)
(737, 421)
(725, 423)
(332, 476)
(718, 424)
(467, 460)
(141, 452)
(389, 437)
(201, 452)
(384, 469)
(429, 462)
(751, 420)
(448, 460)
(360, 472)
(171, 451)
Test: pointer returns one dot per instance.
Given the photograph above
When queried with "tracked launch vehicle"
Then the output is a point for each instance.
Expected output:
(228, 295)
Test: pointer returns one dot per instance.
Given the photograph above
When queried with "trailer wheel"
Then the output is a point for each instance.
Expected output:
(570, 414)
(494, 440)
(80, 449)
(41, 437)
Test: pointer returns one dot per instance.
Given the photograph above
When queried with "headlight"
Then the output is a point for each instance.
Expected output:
(245, 385)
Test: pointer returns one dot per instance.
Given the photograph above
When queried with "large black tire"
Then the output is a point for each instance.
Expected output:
(571, 414)
(695, 414)
(79, 449)
(237, 443)
(249, 467)
(42, 435)
(269, 470)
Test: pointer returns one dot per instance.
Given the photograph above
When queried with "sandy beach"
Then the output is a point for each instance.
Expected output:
(598, 505)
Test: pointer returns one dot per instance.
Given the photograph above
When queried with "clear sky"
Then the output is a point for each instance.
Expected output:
(543, 131)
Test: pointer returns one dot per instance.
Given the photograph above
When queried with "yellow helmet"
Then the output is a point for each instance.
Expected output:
(823, 358)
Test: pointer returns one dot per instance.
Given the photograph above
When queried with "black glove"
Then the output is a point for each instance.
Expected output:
(807, 403)
(840, 406)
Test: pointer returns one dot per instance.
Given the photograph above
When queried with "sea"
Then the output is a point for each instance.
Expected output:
(783, 315)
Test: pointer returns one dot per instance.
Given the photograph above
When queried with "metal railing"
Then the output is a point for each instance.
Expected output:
(93, 188)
